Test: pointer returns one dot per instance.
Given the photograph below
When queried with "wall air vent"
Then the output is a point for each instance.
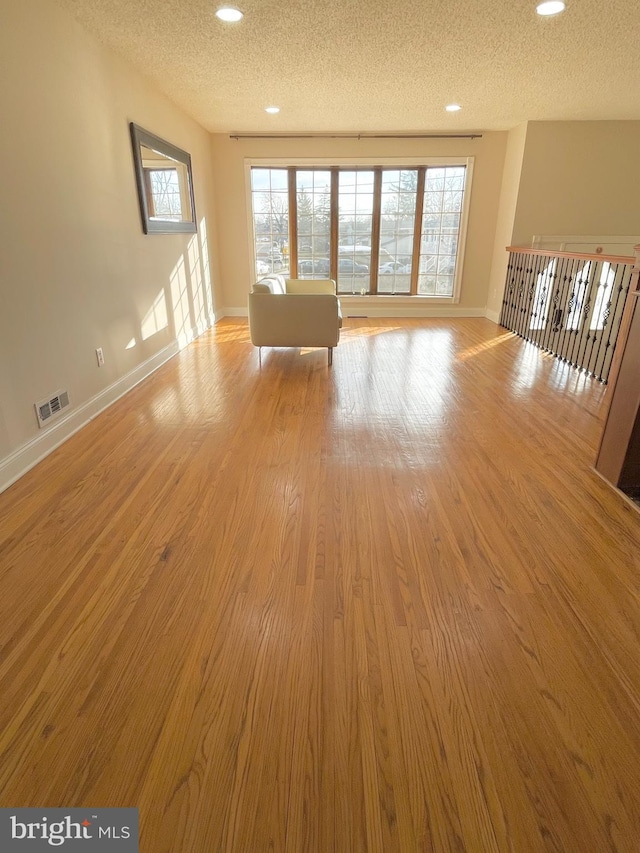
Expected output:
(47, 410)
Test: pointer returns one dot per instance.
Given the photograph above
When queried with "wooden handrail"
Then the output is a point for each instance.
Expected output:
(586, 256)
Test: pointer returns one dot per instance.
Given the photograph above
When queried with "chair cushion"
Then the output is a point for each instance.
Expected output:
(310, 285)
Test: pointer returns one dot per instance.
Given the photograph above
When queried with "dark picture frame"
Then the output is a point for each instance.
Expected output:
(165, 184)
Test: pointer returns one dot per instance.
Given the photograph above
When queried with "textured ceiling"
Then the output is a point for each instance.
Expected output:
(374, 65)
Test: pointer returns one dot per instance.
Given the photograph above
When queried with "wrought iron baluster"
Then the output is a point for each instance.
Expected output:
(508, 286)
(507, 302)
(619, 293)
(568, 301)
(517, 281)
(523, 289)
(562, 303)
(589, 335)
(529, 296)
(596, 334)
(581, 332)
(517, 286)
(538, 291)
(551, 271)
(554, 301)
(605, 311)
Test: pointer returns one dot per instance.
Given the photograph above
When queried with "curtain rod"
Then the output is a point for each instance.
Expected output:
(356, 136)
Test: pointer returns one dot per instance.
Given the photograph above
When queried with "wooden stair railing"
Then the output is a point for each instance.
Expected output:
(569, 304)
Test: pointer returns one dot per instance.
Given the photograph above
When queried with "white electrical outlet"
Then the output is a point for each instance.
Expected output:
(100, 357)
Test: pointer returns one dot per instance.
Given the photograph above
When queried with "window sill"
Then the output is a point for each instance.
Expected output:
(386, 298)
(405, 306)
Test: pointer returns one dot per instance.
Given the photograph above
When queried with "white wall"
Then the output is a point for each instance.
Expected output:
(579, 177)
(565, 178)
(76, 271)
(506, 214)
(234, 215)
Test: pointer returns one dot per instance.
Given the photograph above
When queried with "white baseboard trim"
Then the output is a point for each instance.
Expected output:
(371, 310)
(408, 312)
(493, 315)
(233, 312)
(17, 464)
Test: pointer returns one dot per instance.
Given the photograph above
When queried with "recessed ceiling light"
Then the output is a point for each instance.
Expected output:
(272, 110)
(453, 108)
(229, 14)
(551, 7)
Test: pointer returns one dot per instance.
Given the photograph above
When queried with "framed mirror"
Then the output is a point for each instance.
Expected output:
(165, 184)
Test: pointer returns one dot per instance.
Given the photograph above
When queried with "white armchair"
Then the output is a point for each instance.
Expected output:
(294, 313)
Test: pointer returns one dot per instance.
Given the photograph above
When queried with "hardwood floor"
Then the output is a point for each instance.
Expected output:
(382, 606)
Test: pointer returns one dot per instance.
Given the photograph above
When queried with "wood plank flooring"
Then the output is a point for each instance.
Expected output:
(382, 606)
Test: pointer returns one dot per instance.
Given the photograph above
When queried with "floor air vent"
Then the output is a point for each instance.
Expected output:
(46, 410)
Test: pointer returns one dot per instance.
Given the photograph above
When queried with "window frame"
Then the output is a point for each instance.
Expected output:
(335, 165)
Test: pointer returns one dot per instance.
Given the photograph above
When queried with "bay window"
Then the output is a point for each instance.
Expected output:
(395, 231)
